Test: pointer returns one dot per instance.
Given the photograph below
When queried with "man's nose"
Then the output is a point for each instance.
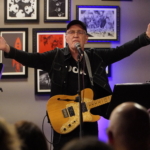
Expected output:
(76, 34)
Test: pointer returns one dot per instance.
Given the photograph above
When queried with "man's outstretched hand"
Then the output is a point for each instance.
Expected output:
(148, 30)
(3, 45)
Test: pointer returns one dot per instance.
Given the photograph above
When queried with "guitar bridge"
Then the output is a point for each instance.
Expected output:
(65, 113)
(70, 110)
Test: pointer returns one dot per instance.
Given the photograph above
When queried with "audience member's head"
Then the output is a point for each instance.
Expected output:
(129, 127)
(86, 143)
(8, 136)
(31, 136)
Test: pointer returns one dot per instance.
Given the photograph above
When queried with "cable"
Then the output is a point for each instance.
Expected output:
(43, 130)
(51, 133)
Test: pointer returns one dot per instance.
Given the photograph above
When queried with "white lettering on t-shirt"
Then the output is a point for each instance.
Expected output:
(75, 70)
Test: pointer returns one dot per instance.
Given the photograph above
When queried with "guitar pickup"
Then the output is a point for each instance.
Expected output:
(71, 111)
(65, 113)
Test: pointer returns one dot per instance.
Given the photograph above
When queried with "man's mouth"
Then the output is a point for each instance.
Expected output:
(76, 41)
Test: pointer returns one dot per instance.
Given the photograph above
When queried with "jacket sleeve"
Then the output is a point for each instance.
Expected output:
(112, 55)
(34, 60)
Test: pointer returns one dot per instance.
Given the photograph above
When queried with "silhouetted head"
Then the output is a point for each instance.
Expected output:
(9, 139)
(31, 135)
(86, 143)
(129, 126)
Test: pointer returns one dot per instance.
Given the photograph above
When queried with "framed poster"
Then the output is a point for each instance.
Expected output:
(16, 11)
(17, 38)
(57, 10)
(46, 40)
(103, 22)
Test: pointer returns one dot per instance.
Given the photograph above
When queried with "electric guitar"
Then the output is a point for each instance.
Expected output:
(63, 110)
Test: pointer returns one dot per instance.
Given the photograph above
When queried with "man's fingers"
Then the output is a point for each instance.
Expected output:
(148, 30)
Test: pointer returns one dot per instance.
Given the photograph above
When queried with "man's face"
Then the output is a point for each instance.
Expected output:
(76, 34)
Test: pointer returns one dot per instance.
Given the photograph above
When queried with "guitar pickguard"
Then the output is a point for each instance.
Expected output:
(74, 121)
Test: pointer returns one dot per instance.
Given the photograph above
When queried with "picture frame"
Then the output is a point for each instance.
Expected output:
(46, 39)
(17, 38)
(21, 11)
(103, 22)
(57, 10)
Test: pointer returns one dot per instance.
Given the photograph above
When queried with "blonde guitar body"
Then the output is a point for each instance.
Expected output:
(63, 110)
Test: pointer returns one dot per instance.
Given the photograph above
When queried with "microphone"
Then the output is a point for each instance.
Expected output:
(78, 47)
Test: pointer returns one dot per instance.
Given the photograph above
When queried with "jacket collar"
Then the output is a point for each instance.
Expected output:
(67, 51)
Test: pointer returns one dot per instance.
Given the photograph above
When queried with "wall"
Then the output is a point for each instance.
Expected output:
(18, 101)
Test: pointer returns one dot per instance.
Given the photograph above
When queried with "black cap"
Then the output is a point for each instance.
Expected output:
(74, 22)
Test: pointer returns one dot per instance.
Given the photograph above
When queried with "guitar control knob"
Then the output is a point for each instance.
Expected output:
(69, 125)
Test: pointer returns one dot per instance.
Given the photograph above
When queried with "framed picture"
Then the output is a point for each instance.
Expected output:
(57, 10)
(103, 22)
(17, 38)
(21, 11)
(108, 69)
(46, 40)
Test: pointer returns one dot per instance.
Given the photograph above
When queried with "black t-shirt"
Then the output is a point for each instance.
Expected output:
(72, 78)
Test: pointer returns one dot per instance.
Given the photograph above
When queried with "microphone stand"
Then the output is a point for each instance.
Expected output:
(79, 97)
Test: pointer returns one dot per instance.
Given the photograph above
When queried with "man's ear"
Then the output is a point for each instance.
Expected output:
(86, 40)
(66, 39)
(110, 137)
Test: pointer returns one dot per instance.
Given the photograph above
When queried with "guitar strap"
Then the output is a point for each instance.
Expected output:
(88, 67)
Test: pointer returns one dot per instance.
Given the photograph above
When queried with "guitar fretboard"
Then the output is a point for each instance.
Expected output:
(100, 101)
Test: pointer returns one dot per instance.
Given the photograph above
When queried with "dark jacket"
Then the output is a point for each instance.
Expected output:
(56, 63)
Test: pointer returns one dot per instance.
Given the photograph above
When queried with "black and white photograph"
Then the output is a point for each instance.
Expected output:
(21, 10)
(57, 10)
(43, 81)
(102, 22)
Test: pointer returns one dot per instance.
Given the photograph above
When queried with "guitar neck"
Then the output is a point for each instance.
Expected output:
(100, 101)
